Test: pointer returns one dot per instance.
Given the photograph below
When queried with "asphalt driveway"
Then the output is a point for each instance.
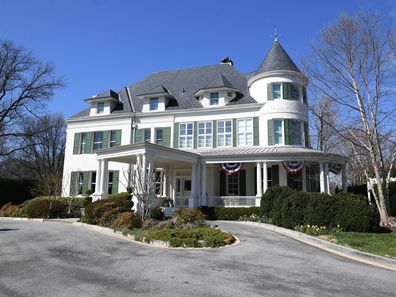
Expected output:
(53, 259)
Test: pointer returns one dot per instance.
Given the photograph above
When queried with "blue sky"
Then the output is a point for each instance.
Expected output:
(97, 45)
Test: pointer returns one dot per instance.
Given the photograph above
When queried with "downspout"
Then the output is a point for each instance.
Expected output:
(133, 127)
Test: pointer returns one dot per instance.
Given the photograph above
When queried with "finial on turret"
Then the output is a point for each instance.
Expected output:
(275, 35)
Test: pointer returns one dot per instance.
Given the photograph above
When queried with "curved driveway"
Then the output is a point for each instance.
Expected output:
(52, 259)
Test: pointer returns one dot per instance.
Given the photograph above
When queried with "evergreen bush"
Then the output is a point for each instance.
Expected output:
(45, 207)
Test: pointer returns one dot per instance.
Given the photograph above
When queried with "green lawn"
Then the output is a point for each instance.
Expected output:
(383, 244)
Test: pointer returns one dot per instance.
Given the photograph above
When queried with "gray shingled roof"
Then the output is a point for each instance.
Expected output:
(277, 59)
(182, 85)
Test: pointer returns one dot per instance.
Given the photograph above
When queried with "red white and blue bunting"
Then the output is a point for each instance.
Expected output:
(335, 168)
(231, 168)
(293, 167)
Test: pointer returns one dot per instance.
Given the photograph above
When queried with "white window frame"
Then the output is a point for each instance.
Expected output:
(144, 134)
(298, 92)
(224, 134)
(93, 182)
(301, 133)
(282, 131)
(152, 106)
(280, 91)
(214, 98)
(110, 183)
(186, 136)
(245, 132)
(156, 136)
(207, 137)
(100, 110)
(228, 177)
(80, 183)
(83, 143)
(112, 141)
(96, 142)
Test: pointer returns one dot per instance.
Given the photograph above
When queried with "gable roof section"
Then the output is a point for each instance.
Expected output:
(277, 59)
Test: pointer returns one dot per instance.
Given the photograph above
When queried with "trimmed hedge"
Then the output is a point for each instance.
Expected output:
(45, 207)
(229, 214)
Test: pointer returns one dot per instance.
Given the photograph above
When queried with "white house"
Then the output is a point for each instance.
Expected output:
(215, 136)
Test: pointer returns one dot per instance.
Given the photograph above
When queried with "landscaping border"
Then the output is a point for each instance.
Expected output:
(325, 245)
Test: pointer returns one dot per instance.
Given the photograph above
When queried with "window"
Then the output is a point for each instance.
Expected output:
(224, 133)
(205, 134)
(276, 91)
(98, 140)
(229, 94)
(158, 136)
(233, 184)
(186, 135)
(93, 181)
(110, 184)
(245, 132)
(158, 182)
(294, 92)
(100, 108)
(83, 145)
(269, 177)
(147, 135)
(80, 183)
(113, 138)
(296, 133)
(278, 132)
(154, 104)
(214, 98)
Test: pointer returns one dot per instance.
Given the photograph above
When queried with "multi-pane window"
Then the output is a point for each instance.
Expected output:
(278, 132)
(296, 133)
(294, 92)
(245, 132)
(186, 134)
(98, 140)
(113, 138)
(158, 136)
(100, 108)
(80, 183)
(83, 144)
(224, 133)
(214, 98)
(93, 181)
(110, 183)
(233, 184)
(147, 135)
(276, 91)
(154, 104)
(205, 134)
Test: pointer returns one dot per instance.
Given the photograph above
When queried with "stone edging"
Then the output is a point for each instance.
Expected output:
(117, 234)
(328, 246)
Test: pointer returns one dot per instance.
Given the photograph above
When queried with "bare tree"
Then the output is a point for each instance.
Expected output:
(26, 85)
(351, 64)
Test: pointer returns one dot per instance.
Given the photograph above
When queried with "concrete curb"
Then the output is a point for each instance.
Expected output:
(116, 234)
(328, 246)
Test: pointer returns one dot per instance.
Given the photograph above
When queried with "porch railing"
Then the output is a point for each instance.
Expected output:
(181, 202)
(231, 201)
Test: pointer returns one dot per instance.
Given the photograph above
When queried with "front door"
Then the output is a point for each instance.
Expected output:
(183, 186)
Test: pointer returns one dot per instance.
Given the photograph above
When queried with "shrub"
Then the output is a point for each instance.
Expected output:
(124, 219)
(10, 210)
(157, 214)
(293, 209)
(190, 216)
(122, 195)
(229, 214)
(266, 203)
(277, 204)
(43, 207)
(86, 201)
(320, 210)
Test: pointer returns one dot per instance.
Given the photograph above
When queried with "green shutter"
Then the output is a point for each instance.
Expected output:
(256, 134)
(304, 94)
(286, 90)
(166, 136)
(234, 132)
(287, 131)
(242, 183)
(176, 135)
(138, 135)
(195, 136)
(85, 182)
(105, 139)
(222, 183)
(269, 92)
(88, 147)
(115, 182)
(77, 142)
(306, 134)
(275, 175)
(270, 125)
(117, 138)
(73, 183)
(214, 133)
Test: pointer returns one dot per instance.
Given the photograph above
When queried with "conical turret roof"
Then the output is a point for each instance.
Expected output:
(277, 59)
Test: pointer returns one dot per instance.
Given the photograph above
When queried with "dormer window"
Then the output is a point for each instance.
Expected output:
(214, 98)
(154, 104)
(100, 108)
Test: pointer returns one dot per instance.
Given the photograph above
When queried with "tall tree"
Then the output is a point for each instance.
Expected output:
(26, 85)
(351, 64)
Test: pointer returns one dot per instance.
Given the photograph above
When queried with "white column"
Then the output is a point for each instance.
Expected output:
(165, 183)
(193, 184)
(265, 177)
(104, 177)
(98, 177)
(259, 180)
(344, 179)
(327, 179)
(143, 171)
(203, 185)
(322, 178)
